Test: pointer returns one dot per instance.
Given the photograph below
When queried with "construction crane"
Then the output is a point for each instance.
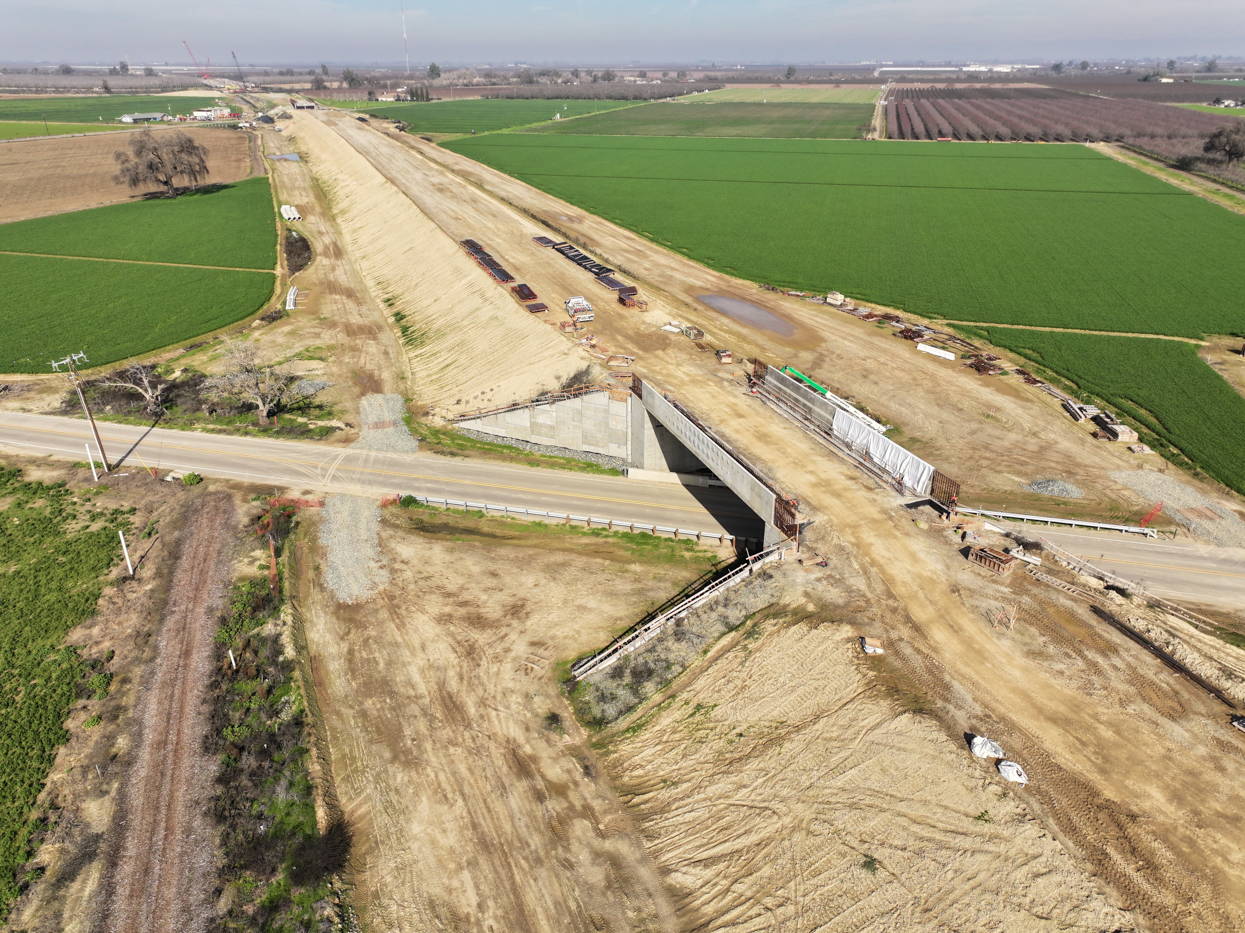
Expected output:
(241, 76)
(205, 71)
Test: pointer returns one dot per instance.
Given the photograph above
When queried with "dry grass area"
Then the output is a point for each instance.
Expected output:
(1226, 355)
(464, 335)
(51, 176)
(475, 799)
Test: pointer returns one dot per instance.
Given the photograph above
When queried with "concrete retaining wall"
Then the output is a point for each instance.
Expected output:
(593, 422)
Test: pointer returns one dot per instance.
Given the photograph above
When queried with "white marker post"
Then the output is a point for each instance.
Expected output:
(127, 553)
(91, 461)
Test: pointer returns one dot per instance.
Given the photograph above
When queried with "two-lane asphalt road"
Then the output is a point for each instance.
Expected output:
(1181, 570)
(305, 467)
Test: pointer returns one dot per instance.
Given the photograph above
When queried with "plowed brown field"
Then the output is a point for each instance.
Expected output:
(39, 177)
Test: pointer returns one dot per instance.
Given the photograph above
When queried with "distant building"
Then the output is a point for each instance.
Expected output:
(143, 117)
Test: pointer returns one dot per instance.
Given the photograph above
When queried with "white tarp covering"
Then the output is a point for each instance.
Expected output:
(926, 348)
(984, 748)
(916, 473)
(1013, 772)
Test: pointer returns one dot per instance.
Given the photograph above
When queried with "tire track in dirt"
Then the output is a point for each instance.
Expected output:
(158, 875)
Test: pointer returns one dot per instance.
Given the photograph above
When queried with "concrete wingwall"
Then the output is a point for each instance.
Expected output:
(594, 422)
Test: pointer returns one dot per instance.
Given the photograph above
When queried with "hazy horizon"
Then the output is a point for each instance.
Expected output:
(693, 32)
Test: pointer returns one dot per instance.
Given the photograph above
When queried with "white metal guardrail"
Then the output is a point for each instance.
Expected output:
(645, 633)
(1073, 522)
(589, 521)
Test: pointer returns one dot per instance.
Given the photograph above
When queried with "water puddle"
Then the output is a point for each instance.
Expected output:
(749, 313)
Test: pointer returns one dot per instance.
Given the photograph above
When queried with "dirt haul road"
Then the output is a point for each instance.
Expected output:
(337, 310)
(1117, 788)
(162, 850)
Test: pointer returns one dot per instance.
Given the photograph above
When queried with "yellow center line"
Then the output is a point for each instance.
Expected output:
(462, 482)
(1138, 563)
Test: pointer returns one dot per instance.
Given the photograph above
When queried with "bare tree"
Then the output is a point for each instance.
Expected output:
(249, 377)
(141, 379)
(161, 161)
(1228, 141)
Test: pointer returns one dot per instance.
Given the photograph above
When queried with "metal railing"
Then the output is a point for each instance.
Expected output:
(1049, 520)
(647, 631)
(588, 521)
(549, 399)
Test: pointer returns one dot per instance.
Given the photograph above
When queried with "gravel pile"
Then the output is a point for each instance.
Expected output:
(605, 460)
(305, 388)
(353, 566)
(1054, 487)
(380, 418)
(1226, 531)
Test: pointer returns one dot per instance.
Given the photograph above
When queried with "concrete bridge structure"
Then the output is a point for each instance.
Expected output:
(648, 430)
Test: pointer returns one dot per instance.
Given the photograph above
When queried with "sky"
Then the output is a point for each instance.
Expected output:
(644, 32)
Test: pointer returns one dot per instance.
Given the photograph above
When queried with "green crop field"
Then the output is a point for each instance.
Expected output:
(12, 130)
(1226, 111)
(55, 549)
(1161, 385)
(233, 226)
(789, 95)
(114, 310)
(94, 109)
(792, 121)
(1056, 236)
(1044, 235)
(486, 116)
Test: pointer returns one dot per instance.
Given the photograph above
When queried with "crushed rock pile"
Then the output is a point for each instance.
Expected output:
(1055, 487)
(1202, 516)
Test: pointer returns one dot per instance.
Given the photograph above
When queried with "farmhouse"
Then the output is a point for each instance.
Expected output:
(143, 117)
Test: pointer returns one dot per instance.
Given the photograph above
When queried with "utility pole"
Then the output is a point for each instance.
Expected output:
(76, 382)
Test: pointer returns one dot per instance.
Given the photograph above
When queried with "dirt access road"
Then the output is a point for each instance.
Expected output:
(1115, 787)
(159, 873)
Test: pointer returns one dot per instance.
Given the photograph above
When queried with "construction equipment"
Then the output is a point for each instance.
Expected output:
(241, 76)
(1151, 514)
(205, 71)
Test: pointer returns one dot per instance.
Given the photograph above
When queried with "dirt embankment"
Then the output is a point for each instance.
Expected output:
(463, 334)
(51, 176)
(474, 798)
(162, 850)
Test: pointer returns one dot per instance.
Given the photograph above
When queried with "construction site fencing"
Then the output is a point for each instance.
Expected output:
(588, 521)
(1049, 520)
(650, 629)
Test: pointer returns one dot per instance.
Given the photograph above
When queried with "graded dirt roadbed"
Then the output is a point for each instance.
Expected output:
(472, 808)
(162, 847)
